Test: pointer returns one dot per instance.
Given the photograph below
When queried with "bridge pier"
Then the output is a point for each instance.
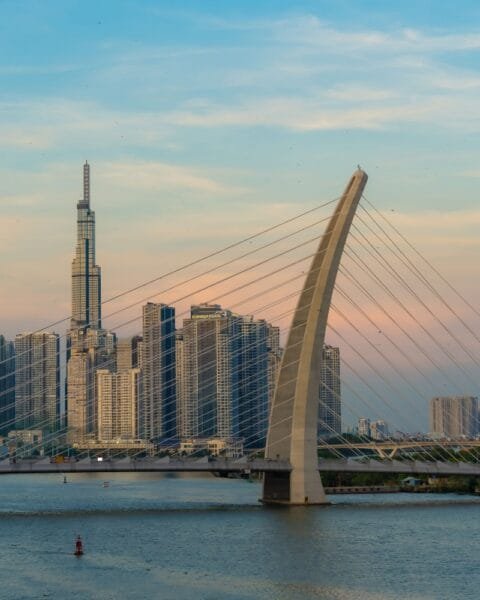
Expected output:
(296, 488)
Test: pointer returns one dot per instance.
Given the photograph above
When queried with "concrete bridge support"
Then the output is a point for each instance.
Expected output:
(292, 431)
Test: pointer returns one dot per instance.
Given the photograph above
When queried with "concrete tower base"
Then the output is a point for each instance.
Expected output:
(294, 489)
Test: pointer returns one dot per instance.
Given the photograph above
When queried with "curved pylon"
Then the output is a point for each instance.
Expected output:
(292, 431)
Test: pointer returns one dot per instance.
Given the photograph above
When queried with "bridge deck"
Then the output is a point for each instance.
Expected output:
(257, 465)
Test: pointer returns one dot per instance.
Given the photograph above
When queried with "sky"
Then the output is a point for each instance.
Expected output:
(206, 121)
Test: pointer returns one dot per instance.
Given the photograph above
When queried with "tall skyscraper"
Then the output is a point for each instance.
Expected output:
(330, 406)
(454, 416)
(7, 385)
(224, 375)
(274, 360)
(37, 381)
(157, 413)
(89, 347)
(208, 391)
(184, 406)
(118, 396)
(253, 381)
(86, 276)
(81, 410)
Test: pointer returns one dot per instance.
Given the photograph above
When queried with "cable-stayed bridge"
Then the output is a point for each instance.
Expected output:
(395, 317)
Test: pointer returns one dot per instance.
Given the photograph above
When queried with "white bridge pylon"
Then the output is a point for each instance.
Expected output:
(292, 430)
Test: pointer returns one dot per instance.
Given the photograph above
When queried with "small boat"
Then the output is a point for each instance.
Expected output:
(106, 484)
(78, 546)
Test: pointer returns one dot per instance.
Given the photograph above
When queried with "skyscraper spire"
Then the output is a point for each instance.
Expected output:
(86, 184)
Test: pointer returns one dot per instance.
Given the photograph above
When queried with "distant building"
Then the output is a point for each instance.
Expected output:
(89, 347)
(157, 411)
(37, 381)
(25, 442)
(184, 405)
(118, 396)
(86, 275)
(379, 430)
(454, 416)
(81, 395)
(129, 353)
(252, 364)
(330, 399)
(226, 371)
(229, 448)
(7, 385)
(208, 373)
(274, 360)
(364, 427)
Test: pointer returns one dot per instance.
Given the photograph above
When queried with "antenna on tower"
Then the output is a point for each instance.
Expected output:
(86, 183)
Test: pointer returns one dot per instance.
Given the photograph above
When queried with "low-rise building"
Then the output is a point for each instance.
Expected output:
(25, 442)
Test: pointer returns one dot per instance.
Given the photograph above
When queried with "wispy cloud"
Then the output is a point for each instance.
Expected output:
(312, 31)
(315, 114)
(51, 122)
(297, 53)
(475, 173)
(156, 176)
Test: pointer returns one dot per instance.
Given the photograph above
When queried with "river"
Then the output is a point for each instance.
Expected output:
(202, 538)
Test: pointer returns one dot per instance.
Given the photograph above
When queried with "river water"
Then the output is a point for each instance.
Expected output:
(202, 538)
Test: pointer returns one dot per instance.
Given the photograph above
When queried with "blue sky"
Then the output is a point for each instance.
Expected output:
(191, 109)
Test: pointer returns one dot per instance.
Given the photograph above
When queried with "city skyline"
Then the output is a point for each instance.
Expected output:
(124, 391)
(93, 346)
(169, 182)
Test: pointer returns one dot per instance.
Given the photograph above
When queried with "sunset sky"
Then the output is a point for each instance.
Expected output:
(206, 121)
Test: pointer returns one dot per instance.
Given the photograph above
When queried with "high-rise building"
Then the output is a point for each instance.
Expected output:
(89, 347)
(208, 392)
(454, 416)
(118, 396)
(7, 385)
(86, 275)
(226, 366)
(183, 383)
(129, 353)
(364, 427)
(330, 405)
(379, 430)
(37, 381)
(81, 413)
(157, 413)
(274, 359)
(253, 381)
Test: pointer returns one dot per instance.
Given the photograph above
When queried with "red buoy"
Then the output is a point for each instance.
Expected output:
(78, 546)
